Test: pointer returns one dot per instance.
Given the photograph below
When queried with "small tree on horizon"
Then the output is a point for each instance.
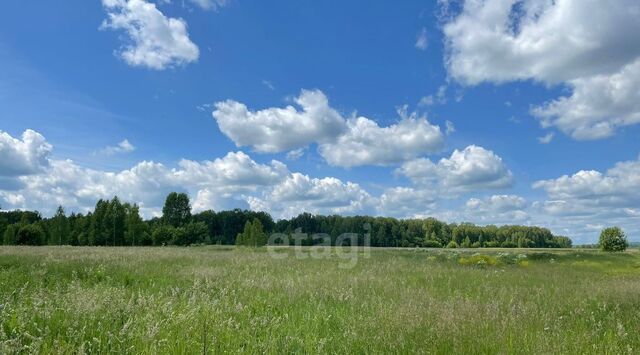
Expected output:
(252, 235)
(177, 209)
(613, 239)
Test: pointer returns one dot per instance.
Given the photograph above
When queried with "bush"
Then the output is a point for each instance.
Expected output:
(30, 234)
(452, 244)
(431, 244)
(162, 235)
(613, 239)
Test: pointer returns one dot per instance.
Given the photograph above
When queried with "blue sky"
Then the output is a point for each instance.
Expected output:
(408, 109)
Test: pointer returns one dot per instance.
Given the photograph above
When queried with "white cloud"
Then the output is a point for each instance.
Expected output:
(500, 209)
(406, 202)
(156, 41)
(422, 41)
(28, 155)
(440, 98)
(299, 192)
(366, 143)
(147, 183)
(234, 180)
(210, 4)
(578, 203)
(473, 168)
(341, 142)
(547, 138)
(589, 45)
(123, 147)
(598, 105)
(451, 128)
(617, 187)
(295, 154)
(280, 129)
(499, 203)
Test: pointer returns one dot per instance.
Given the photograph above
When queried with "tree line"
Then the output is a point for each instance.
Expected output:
(114, 223)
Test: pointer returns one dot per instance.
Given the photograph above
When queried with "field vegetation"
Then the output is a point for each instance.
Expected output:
(208, 299)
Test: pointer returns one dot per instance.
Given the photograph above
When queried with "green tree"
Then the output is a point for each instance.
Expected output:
(613, 239)
(162, 235)
(10, 235)
(59, 228)
(191, 233)
(177, 210)
(134, 226)
(253, 234)
(114, 222)
(30, 234)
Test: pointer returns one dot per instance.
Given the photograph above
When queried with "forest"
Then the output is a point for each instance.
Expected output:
(116, 223)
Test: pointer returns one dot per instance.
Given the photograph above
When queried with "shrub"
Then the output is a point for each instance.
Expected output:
(162, 235)
(613, 239)
(431, 244)
(452, 244)
(30, 234)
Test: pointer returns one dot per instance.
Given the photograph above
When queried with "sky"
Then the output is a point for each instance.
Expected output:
(484, 111)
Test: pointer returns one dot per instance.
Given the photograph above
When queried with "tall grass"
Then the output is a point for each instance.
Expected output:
(212, 300)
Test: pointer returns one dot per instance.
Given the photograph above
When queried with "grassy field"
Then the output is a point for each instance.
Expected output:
(217, 299)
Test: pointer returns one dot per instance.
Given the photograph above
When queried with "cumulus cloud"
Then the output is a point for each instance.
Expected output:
(123, 147)
(497, 209)
(366, 143)
(299, 192)
(500, 203)
(232, 181)
(341, 142)
(155, 41)
(406, 202)
(280, 129)
(598, 105)
(473, 168)
(63, 182)
(588, 45)
(617, 187)
(25, 156)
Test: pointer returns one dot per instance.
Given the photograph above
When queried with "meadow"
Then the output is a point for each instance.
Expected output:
(172, 300)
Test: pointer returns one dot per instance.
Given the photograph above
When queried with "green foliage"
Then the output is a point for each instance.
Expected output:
(452, 244)
(177, 210)
(192, 233)
(253, 234)
(115, 223)
(162, 235)
(613, 239)
(432, 244)
(10, 235)
(30, 234)
(58, 228)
